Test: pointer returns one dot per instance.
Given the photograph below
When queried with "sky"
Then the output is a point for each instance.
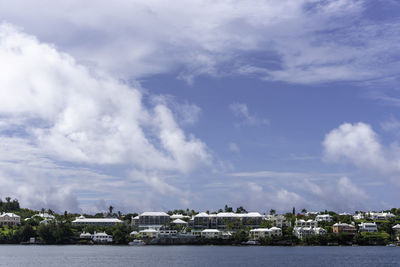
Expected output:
(156, 105)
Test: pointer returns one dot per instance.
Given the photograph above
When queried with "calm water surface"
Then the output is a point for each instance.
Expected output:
(61, 256)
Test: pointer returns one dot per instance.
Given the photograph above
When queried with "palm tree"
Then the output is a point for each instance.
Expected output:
(303, 211)
(110, 209)
(272, 211)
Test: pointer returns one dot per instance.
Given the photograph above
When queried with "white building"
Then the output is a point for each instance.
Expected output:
(396, 228)
(265, 232)
(85, 235)
(368, 227)
(168, 233)
(9, 219)
(303, 232)
(81, 220)
(278, 220)
(308, 223)
(149, 233)
(211, 233)
(224, 220)
(323, 218)
(102, 238)
(380, 215)
(153, 220)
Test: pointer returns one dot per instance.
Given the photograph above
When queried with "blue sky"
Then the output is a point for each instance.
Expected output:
(148, 105)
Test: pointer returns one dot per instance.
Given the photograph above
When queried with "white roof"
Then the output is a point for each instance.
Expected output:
(136, 217)
(323, 215)
(275, 228)
(260, 230)
(210, 231)
(202, 214)
(154, 213)
(397, 226)
(133, 233)
(10, 215)
(149, 231)
(100, 234)
(179, 221)
(96, 220)
(178, 216)
(86, 234)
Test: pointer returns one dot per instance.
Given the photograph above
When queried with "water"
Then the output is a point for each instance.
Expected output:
(60, 256)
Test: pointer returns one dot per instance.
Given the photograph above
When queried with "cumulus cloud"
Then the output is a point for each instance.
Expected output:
(241, 111)
(62, 112)
(359, 144)
(305, 41)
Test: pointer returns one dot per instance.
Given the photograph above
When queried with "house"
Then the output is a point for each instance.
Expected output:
(323, 218)
(278, 220)
(211, 233)
(168, 233)
(259, 233)
(85, 235)
(396, 228)
(149, 233)
(153, 220)
(265, 232)
(380, 215)
(308, 223)
(339, 228)
(81, 220)
(102, 238)
(368, 227)
(9, 219)
(303, 232)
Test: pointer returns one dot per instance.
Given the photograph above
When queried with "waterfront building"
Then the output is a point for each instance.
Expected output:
(368, 227)
(85, 235)
(102, 238)
(265, 232)
(211, 233)
(303, 232)
(396, 228)
(153, 220)
(323, 218)
(259, 233)
(227, 220)
(168, 233)
(9, 219)
(81, 220)
(150, 233)
(339, 228)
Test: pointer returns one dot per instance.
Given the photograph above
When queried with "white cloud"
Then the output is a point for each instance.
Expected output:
(54, 110)
(305, 41)
(80, 116)
(241, 111)
(359, 145)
